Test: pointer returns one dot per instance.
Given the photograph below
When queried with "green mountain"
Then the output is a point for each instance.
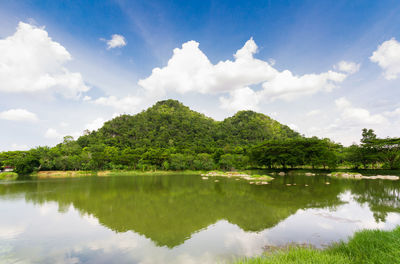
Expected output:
(170, 124)
(249, 128)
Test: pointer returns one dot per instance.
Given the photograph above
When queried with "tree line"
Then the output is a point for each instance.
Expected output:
(298, 152)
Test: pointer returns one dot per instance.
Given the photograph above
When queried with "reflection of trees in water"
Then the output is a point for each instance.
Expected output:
(382, 196)
(169, 209)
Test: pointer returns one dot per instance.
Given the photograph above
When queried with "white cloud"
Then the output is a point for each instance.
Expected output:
(126, 104)
(18, 115)
(116, 41)
(53, 134)
(387, 56)
(95, 124)
(288, 87)
(353, 116)
(313, 112)
(348, 67)
(30, 61)
(240, 99)
(19, 147)
(189, 70)
(393, 113)
(64, 124)
(273, 114)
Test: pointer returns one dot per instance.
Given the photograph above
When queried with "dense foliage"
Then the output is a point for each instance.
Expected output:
(171, 125)
(166, 136)
(374, 152)
(170, 136)
(297, 152)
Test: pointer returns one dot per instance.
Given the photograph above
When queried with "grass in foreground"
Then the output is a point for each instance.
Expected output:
(368, 246)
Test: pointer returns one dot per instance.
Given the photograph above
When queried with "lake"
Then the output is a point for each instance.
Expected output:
(182, 218)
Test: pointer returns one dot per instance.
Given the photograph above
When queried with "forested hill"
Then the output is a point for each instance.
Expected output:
(170, 124)
(170, 136)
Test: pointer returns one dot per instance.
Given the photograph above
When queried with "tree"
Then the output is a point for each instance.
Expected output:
(368, 136)
(178, 162)
(227, 161)
(26, 164)
(203, 161)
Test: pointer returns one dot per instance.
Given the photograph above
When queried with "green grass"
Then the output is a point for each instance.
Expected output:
(139, 172)
(8, 176)
(365, 247)
(264, 177)
(340, 173)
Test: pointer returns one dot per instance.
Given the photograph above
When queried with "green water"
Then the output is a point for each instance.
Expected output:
(182, 218)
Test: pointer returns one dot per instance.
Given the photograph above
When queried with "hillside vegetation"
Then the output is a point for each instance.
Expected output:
(170, 136)
(170, 124)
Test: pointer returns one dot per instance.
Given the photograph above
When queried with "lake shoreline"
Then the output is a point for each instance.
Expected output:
(106, 173)
(366, 174)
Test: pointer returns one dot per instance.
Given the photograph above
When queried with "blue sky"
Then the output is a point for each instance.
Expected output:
(308, 64)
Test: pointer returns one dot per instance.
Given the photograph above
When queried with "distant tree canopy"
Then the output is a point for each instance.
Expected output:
(171, 136)
(296, 152)
(373, 152)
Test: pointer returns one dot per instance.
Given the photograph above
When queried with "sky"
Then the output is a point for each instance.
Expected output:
(324, 68)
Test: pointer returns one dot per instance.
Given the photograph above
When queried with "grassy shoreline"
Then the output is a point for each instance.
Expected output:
(367, 246)
(8, 176)
(251, 172)
(106, 173)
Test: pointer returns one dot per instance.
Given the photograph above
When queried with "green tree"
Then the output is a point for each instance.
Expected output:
(203, 161)
(26, 164)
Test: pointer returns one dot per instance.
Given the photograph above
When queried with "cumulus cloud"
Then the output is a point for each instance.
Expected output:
(18, 147)
(86, 98)
(313, 112)
(287, 86)
(30, 61)
(116, 41)
(348, 67)
(354, 116)
(95, 124)
(189, 70)
(18, 115)
(64, 124)
(387, 56)
(393, 113)
(240, 99)
(53, 134)
(126, 104)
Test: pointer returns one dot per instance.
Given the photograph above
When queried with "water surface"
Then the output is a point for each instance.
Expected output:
(182, 218)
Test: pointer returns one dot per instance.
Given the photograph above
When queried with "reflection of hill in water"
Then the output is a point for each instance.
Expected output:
(168, 209)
